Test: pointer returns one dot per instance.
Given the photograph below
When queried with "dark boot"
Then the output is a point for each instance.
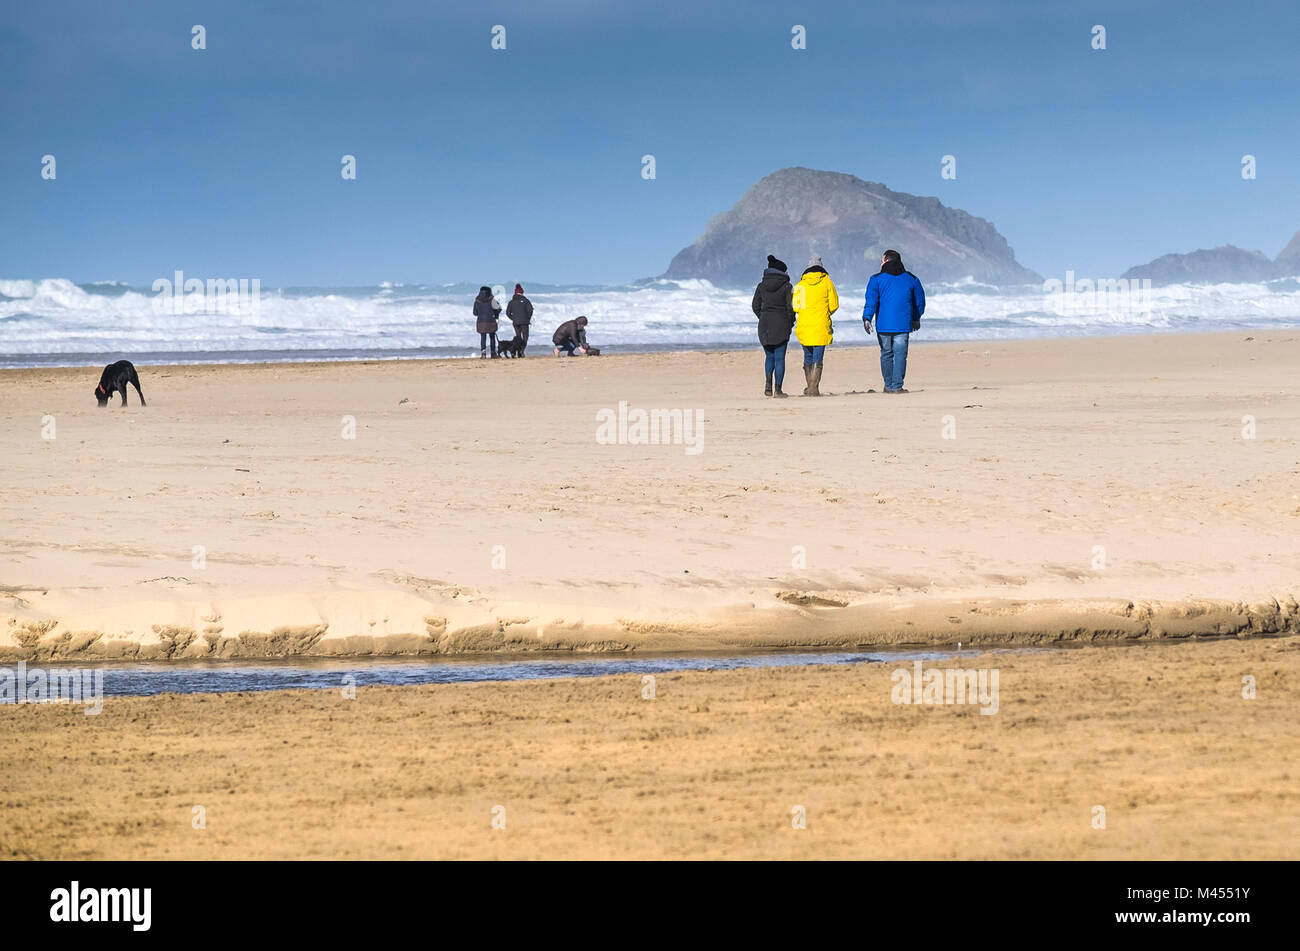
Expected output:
(767, 386)
(814, 380)
(807, 379)
(778, 395)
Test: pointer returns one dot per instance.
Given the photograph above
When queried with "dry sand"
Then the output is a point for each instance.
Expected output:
(1159, 735)
(475, 509)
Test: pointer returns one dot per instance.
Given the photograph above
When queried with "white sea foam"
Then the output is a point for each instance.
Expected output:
(42, 320)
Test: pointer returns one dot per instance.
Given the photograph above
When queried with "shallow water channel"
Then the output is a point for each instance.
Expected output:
(147, 678)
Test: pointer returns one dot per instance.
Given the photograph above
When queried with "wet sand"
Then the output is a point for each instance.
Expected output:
(1158, 735)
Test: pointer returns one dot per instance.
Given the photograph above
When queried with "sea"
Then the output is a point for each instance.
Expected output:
(56, 322)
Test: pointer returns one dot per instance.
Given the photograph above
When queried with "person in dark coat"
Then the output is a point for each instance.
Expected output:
(486, 311)
(774, 307)
(520, 312)
(570, 336)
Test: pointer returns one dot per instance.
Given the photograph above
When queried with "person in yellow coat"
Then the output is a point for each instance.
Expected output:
(814, 301)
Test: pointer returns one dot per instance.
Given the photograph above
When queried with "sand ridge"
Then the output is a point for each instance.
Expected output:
(475, 509)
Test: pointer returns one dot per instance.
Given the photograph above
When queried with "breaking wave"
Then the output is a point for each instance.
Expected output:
(53, 321)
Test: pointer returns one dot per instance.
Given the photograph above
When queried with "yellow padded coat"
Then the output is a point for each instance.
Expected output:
(814, 302)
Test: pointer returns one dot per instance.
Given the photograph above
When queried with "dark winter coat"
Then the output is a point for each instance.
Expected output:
(520, 310)
(774, 307)
(485, 312)
(570, 330)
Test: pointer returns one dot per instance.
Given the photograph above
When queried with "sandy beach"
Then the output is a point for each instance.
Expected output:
(1157, 735)
(359, 567)
(1067, 489)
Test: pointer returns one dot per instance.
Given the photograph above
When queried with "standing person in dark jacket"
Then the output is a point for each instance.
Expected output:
(570, 336)
(774, 307)
(486, 311)
(520, 312)
(896, 300)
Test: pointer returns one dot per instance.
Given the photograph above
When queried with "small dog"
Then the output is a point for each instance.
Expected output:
(116, 377)
(588, 352)
(511, 348)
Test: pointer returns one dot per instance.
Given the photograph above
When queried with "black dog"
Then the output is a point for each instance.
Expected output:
(116, 377)
(511, 348)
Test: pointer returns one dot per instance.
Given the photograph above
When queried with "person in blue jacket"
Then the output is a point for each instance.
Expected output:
(896, 300)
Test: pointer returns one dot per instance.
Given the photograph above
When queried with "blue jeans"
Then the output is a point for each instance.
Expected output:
(774, 364)
(568, 346)
(813, 355)
(893, 359)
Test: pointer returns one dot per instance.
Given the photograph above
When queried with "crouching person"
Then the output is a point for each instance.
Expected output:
(571, 337)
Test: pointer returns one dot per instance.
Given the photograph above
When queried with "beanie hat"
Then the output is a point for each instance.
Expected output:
(775, 264)
(519, 290)
(815, 261)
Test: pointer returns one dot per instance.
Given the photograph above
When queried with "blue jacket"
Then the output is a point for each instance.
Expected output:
(895, 300)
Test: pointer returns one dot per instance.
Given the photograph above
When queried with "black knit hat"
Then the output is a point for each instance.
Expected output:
(775, 264)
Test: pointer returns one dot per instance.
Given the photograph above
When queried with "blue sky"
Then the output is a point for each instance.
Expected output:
(483, 165)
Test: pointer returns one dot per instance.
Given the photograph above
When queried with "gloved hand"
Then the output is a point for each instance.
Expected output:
(866, 325)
